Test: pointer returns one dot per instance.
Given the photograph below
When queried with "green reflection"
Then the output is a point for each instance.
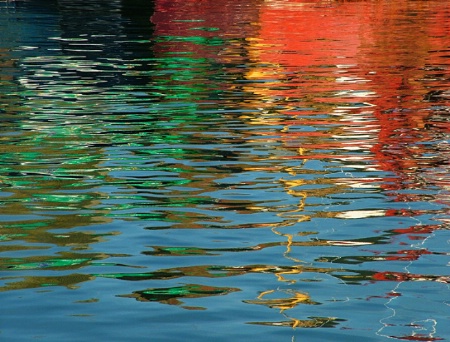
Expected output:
(67, 260)
(208, 41)
(207, 271)
(50, 263)
(171, 295)
(207, 29)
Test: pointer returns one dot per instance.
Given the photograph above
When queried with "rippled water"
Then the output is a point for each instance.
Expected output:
(198, 170)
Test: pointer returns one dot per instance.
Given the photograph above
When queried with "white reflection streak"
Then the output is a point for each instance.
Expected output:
(432, 328)
(418, 327)
(382, 321)
(358, 214)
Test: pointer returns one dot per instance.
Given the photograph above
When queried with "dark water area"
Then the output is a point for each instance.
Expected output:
(177, 170)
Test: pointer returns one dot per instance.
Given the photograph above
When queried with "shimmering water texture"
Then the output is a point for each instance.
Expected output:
(231, 170)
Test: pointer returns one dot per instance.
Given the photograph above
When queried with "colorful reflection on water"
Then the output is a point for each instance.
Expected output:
(182, 170)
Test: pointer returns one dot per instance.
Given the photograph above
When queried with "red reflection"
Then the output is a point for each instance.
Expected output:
(298, 35)
(181, 17)
(401, 62)
(417, 232)
(408, 255)
(193, 20)
(418, 229)
(418, 338)
(399, 276)
(390, 60)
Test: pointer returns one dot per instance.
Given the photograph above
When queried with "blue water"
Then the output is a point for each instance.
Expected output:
(249, 170)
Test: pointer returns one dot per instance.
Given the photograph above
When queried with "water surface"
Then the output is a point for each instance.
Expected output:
(182, 171)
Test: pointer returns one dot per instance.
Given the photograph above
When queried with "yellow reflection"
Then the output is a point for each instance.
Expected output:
(315, 322)
(295, 298)
(294, 214)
